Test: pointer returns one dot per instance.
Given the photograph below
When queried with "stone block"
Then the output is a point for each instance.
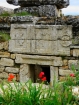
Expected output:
(6, 62)
(65, 62)
(44, 32)
(18, 31)
(63, 72)
(48, 10)
(4, 45)
(40, 60)
(44, 47)
(28, 3)
(12, 56)
(72, 63)
(41, 32)
(31, 31)
(24, 73)
(41, 39)
(34, 59)
(63, 47)
(22, 32)
(3, 75)
(57, 61)
(64, 32)
(23, 19)
(62, 3)
(4, 54)
(76, 52)
(53, 74)
(12, 70)
(2, 68)
(20, 46)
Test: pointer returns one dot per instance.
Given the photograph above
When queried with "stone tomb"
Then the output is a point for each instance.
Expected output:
(38, 48)
(40, 39)
(32, 65)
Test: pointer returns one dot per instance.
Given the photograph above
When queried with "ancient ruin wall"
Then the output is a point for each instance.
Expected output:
(45, 41)
(22, 60)
(5, 23)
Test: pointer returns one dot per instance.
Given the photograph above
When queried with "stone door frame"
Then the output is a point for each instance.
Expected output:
(27, 60)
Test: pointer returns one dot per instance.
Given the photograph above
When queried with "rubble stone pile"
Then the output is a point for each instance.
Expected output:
(40, 7)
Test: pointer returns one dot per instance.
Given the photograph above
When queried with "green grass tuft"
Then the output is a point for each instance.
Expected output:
(5, 14)
(21, 14)
(4, 36)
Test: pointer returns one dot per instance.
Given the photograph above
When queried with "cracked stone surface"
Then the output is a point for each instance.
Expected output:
(26, 3)
(41, 39)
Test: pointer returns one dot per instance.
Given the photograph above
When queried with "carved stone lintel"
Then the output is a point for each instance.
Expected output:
(40, 39)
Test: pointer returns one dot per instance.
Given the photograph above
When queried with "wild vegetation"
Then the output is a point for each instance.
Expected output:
(4, 36)
(15, 14)
(61, 93)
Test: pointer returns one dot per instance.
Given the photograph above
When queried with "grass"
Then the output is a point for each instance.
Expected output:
(29, 93)
(5, 14)
(36, 94)
(21, 14)
(4, 36)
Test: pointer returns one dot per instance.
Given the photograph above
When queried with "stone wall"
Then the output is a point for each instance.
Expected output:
(36, 43)
(23, 65)
(5, 23)
(7, 63)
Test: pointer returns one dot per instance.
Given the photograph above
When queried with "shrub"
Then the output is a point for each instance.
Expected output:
(15, 93)
(35, 94)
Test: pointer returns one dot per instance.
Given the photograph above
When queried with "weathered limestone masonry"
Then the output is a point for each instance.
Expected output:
(40, 7)
(39, 44)
(7, 62)
(35, 47)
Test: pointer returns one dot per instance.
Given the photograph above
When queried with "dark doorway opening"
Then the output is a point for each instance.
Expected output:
(46, 70)
(35, 71)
